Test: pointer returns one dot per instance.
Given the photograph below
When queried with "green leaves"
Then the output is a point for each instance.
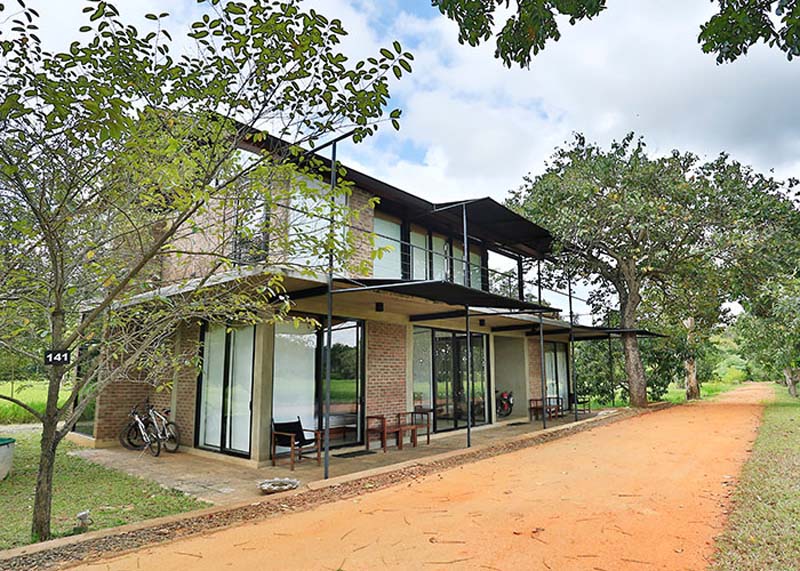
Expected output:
(729, 33)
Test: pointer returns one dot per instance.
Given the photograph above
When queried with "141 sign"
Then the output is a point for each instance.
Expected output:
(56, 357)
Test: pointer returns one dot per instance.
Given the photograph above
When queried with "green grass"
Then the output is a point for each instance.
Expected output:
(343, 390)
(677, 395)
(764, 529)
(113, 497)
(33, 394)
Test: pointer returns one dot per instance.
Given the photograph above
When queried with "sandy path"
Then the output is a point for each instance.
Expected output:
(645, 493)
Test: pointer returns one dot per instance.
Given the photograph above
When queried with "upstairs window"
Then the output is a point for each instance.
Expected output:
(388, 235)
(441, 258)
(419, 255)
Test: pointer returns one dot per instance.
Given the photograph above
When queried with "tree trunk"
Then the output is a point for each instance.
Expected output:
(637, 385)
(791, 381)
(692, 386)
(40, 528)
(629, 303)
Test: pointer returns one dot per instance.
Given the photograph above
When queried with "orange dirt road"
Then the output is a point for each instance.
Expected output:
(645, 493)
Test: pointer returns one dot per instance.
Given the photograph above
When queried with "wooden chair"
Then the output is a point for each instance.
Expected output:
(378, 427)
(292, 435)
(584, 405)
(551, 407)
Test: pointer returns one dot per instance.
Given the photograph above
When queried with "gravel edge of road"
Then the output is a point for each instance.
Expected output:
(114, 544)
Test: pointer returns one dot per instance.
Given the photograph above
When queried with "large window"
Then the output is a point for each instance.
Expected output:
(298, 387)
(388, 235)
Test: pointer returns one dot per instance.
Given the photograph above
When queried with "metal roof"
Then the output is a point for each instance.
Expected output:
(441, 291)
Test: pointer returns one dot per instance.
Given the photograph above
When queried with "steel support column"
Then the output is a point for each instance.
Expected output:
(541, 345)
(572, 345)
(470, 368)
(329, 322)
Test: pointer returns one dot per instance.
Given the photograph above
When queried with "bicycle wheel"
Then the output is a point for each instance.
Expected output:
(124, 436)
(173, 441)
(154, 446)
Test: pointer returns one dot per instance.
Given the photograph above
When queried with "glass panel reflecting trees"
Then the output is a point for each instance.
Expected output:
(440, 370)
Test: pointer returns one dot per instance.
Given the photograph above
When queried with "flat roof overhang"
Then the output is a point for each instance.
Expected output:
(432, 303)
(496, 225)
(589, 333)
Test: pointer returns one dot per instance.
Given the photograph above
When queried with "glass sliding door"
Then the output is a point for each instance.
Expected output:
(211, 388)
(346, 384)
(295, 374)
(480, 385)
(298, 384)
(550, 369)
(239, 390)
(446, 392)
(422, 369)
(440, 368)
(562, 373)
(226, 384)
(556, 367)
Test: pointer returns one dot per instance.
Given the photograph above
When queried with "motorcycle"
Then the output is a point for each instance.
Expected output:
(504, 402)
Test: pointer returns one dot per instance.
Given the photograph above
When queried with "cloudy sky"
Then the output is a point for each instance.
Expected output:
(472, 127)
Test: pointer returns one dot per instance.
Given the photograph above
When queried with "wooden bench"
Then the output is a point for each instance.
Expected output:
(419, 419)
(552, 408)
(378, 427)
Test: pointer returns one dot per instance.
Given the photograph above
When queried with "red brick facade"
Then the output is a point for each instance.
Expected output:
(113, 406)
(186, 383)
(386, 368)
(534, 367)
(117, 399)
(365, 221)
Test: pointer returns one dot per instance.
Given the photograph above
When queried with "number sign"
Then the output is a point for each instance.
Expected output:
(56, 357)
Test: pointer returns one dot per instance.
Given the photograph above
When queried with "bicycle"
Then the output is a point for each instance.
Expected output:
(139, 434)
(166, 431)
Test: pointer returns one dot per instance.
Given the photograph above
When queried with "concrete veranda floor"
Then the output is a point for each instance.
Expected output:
(222, 482)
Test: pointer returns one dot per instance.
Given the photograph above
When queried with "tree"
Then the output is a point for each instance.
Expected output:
(627, 222)
(729, 33)
(690, 307)
(771, 338)
(127, 205)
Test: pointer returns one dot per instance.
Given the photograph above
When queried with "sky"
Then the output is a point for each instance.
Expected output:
(473, 128)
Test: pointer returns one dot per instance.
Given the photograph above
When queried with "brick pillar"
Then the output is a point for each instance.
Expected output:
(386, 368)
(534, 366)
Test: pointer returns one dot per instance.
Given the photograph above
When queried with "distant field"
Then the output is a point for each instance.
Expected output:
(32, 394)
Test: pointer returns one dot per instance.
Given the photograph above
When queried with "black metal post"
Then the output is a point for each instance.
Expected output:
(541, 345)
(520, 281)
(571, 347)
(329, 320)
(611, 367)
(469, 332)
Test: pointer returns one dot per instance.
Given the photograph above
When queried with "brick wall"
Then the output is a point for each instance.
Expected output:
(534, 367)
(386, 368)
(185, 383)
(113, 406)
(363, 246)
(117, 399)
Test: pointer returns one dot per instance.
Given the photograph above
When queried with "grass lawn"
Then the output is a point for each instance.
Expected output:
(33, 394)
(677, 395)
(764, 529)
(114, 498)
